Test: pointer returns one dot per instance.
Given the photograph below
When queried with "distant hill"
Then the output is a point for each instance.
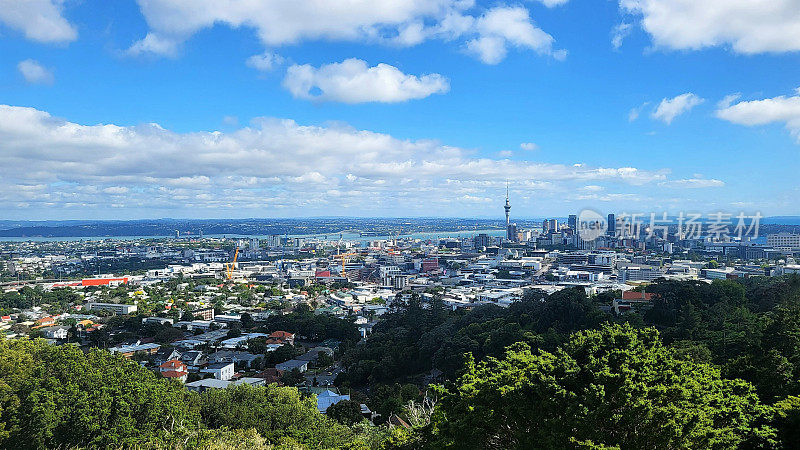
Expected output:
(247, 227)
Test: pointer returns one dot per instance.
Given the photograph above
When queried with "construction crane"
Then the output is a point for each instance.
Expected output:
(229, 267)
(343, 257)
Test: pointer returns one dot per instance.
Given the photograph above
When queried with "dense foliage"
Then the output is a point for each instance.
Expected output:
(416, 340)
(59, 397)
(307, 325)
(706, 365)
(611, 387)
(747, 329)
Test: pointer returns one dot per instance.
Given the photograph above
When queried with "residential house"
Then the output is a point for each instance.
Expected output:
(243, 359)
(329, 398)
(174, 369)
(57, 332)
(213, 383)
(222, 371)
(313, 354)
(270, 376)
(194, 360)
(167, 354)
(631, 300)
(281, 337)
(132, 349)
(292, 364)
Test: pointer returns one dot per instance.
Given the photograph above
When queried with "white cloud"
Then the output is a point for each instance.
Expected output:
(553, 3)
(620, 32)
(352, 81)
(487, 33)
(265, 62)
(155, 44)
(39, 20)
(503, 26)
(505, 153)
(670, 108)
(693, 183)
(530, 146)
(35, 73)
(633, 114)
(781, 109)
(748, 26)
(271, 164)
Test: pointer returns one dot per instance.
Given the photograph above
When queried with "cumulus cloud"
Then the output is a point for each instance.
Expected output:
(670, 108)
(503, 26)
(485, 33)
(38, 20)
(530, 146)
(747, 26)
(265, 62)
(782, 109)
(35, 73)
(46, 162)
(352, 81)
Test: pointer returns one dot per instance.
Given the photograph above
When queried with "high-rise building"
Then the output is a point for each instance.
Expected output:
(612, 225)
(572, 221)
(482, 240)
(511, 232)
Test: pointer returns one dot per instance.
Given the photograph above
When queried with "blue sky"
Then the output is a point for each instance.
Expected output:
(148, 109)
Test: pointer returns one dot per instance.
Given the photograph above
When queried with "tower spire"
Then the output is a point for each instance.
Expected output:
(507, 207)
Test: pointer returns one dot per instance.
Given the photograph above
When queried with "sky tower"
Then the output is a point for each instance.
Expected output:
(507, 208)
(511, 230)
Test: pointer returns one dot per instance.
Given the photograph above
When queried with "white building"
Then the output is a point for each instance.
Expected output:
(783, 240)
(222, 371)
(116, 308)
(639, 273)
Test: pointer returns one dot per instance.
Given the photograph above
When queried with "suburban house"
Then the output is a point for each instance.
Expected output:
(292, 364)
(280, 337)
(631, 300)
(132, 349)
(222, 371)
(57, 332)
(270, 376)
(243, 359)
(213, 383)
(194, 360)
(167, 354)
(174, 369)
(313, 354)
(329, 398)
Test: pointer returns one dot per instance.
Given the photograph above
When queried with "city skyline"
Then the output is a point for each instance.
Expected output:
(414, 109)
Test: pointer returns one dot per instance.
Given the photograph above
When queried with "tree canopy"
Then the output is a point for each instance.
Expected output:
(613, 387)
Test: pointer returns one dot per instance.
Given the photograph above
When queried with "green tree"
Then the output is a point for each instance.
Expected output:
(59, 397)
(276, 412)
(346, 412)
(247, 321)
(616, 386)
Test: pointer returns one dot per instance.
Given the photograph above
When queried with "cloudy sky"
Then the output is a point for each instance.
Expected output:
(292, 108)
